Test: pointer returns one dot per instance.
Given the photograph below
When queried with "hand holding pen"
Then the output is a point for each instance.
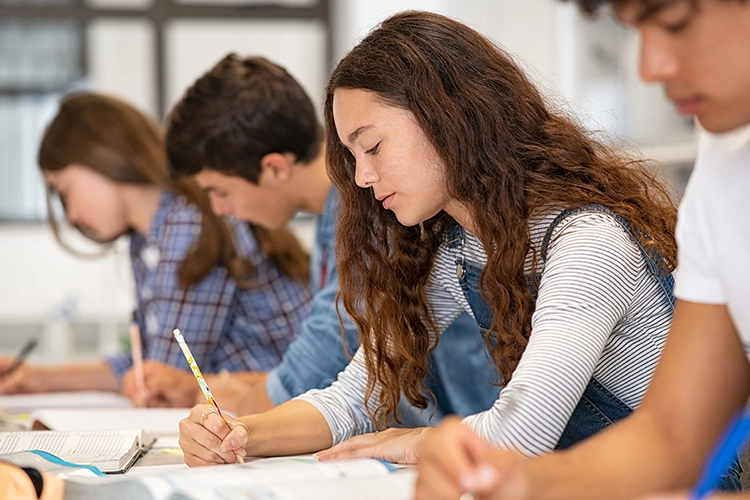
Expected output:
(207, 410)
(25, 351)
(9, 367)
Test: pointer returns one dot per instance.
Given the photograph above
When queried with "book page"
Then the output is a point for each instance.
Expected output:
(105, 449)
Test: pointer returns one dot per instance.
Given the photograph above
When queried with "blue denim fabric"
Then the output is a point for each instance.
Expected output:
(598, 407)
(316, 357)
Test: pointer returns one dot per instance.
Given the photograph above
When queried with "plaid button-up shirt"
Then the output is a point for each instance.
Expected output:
(226, 327)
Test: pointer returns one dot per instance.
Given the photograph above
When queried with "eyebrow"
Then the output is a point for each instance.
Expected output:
(353, 136)
(651, 9)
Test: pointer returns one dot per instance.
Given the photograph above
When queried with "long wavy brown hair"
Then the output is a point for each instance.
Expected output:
(116, 140)
(507, 156)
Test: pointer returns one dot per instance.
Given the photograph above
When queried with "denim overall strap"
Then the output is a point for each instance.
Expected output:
(468, 274)
(655, 263)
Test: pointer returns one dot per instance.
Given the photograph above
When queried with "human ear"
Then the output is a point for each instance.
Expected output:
(276, 166)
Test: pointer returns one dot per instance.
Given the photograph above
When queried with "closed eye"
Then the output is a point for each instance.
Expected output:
(373, 150)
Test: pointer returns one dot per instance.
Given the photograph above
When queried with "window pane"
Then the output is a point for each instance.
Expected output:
(38, 61)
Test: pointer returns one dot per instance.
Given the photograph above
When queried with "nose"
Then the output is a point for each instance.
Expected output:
(658, 62)
(71, 213)
(220, 206)
(364, 175)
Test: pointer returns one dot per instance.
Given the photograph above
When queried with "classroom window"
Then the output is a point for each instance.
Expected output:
(39, 60)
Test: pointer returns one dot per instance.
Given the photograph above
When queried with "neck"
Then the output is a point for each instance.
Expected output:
(461, 214)
(142, 202)
(314, 185)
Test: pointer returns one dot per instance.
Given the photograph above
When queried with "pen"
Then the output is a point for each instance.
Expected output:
(200, 379)
(30, 345)
(722, 455)
(136, 352)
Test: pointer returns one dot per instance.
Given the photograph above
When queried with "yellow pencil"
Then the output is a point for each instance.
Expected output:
(200, 379)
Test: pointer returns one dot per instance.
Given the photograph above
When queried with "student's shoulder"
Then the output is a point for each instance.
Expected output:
(245, 240)
(179, 211)
(721, 163)
(594, 223)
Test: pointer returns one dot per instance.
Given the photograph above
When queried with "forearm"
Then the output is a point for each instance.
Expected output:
(249, 377)
(632, 458)
(293, 428)
(96, 376)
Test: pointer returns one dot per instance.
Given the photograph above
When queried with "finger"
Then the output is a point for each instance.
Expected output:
(346, 448)
(156, 400)
(434, 484)
(446, 448)
(200, 444)
(214, 423)
(476, 448)
(11, 384)
(235, 439)
(503, 476)
(125, 384)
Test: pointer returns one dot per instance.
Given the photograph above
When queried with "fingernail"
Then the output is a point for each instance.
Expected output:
(487, 475)
(483, 477)
(466, 482)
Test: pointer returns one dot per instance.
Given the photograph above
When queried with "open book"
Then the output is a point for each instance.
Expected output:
(110, 451)
(265, 479)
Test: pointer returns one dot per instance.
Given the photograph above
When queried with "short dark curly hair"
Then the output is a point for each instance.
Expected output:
(241, 110)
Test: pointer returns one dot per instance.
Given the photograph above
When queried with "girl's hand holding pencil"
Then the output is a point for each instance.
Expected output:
(208, 439)
(206, 411)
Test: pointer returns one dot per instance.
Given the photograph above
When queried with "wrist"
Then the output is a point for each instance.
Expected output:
(39, 379)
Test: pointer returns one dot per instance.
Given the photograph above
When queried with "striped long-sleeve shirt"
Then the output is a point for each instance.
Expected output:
(599, 312)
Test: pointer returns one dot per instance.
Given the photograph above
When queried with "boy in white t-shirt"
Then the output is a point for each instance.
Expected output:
(700, 51)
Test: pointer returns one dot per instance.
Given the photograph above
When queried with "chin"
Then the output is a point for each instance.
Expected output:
(408, 221)
(721, 122)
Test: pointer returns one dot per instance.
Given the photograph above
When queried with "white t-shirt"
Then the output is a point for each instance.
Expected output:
(713, 229)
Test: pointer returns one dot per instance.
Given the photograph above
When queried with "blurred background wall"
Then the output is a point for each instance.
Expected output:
(149, 51)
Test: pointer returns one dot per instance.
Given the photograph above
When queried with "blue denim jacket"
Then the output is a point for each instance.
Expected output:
(314, 359)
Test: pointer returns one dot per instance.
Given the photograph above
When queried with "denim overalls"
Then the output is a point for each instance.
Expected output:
(598, 407)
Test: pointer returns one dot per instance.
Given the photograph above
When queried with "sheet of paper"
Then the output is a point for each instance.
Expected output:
(395, 486)
(258, 473)
(155, 421)
(259, 479)
(24, 403)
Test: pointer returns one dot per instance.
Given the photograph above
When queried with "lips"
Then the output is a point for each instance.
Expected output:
(386, 200)
(687, 106)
